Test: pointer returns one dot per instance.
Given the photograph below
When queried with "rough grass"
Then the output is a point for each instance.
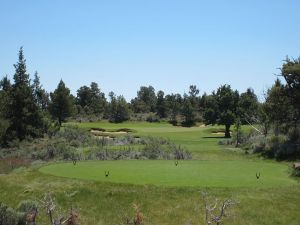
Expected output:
(187, 173)
(104, 203)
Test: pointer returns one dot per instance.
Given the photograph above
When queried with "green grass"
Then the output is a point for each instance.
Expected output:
(187, 173)
(105, 203)
(199, 140)
(167, 195)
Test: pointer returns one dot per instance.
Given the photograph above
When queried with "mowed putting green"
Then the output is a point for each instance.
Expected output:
(187, 173)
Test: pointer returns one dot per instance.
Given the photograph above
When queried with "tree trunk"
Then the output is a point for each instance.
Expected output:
(227, 131)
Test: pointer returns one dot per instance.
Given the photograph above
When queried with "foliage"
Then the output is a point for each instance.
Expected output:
(91, 99)
(41, 97)
(4, 125)
(161, 107)
(290, 71)
(118, 108)
(21, 216)
(277, 107)
(222, 108)
(152, 117)
(188, 112)
(145, 101)
(61, 106)
(25, 118)
(173, 103)
(248, 107)
(159, 148)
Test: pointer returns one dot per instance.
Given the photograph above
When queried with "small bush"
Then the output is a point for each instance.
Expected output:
(9, 216)
(152, 118)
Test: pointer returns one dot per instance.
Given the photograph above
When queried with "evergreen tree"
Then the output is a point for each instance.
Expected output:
(188, 112)
(193, 94)
(290, 71)
(62, 104)
(248, 106)
(210, 114)
(5, 97)
(145, 101)
(5, 100)
(161, 108)
(41, 97)
(173, 103)
(24, 115)
(91, 99)
(222, 108)
(119, 109)
(277, 107)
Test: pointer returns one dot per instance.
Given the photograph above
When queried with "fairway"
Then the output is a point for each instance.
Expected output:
(198, 140)
(187, 173)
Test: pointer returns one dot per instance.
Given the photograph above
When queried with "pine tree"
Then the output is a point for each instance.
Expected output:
(119, 110)
(5, 92)
(188, 112)
(41, 97)
(24, 115)
(62, 104)
(161, 108)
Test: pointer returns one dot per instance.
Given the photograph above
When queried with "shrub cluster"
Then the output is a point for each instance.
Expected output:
(280, 147)
(72, 143)
(10, 216)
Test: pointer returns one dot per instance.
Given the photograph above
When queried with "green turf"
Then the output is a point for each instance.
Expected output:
(199, 140)
(175, 198)
(187, 173)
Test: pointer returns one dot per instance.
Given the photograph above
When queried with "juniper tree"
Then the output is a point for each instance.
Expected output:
(161, 108)
(62, 103)
(23, 112)
(222, 108)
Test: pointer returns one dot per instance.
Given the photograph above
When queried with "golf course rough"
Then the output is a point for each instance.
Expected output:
(193, 173)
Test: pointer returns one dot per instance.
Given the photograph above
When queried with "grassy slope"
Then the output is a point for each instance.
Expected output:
(103, 203)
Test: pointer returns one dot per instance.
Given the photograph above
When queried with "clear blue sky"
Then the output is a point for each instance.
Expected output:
(169, 44)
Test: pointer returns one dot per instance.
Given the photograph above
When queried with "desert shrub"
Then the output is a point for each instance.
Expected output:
(152, 118)
(177, 152)
(153, 150)
(259, 144)
(226, 142)
(73, 133)
(9, 216)
(105, 154)
(296, 172)
(24, 208)
(138, 117)
(73, 143)
(159, 148)
(126, 140)
(280, 147)
(154, 140)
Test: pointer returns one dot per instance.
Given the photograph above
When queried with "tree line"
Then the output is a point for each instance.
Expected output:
(29, 111)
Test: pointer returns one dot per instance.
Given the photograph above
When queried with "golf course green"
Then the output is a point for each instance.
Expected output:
(187, 173)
